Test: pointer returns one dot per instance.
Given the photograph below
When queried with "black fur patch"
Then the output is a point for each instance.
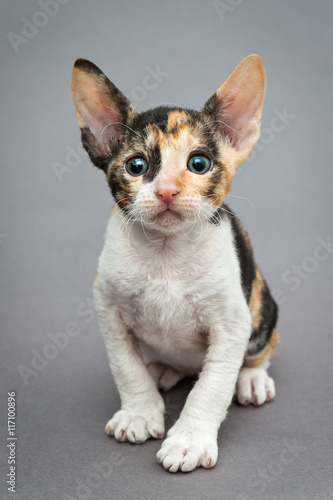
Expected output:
(215, 179)
(269, 311)
(119, 194)
(90, 144)
(245, 255)
(157, 116)
(206, 131)
(211, 105)
(155, 163)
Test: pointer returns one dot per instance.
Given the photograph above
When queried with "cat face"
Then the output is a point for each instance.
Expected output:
(169, 167)
(169, 170)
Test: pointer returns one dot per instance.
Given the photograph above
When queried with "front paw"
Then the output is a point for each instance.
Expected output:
(185, 451)
(136, 427)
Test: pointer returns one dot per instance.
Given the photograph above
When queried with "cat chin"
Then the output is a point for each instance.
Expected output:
(168, 226)
(170, 222)
(167, 223)
(175, 226)
(169, 217)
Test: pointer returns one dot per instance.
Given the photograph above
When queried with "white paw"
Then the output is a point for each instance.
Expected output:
(135, 427)
(165, 377)
(186, 451)
(254, 386)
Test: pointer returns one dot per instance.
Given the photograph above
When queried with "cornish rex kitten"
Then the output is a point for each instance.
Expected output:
(177, 290)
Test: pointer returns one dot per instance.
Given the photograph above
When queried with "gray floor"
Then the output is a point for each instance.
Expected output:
(52, 221)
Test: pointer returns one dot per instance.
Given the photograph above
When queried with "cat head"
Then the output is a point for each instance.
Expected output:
(169, 167)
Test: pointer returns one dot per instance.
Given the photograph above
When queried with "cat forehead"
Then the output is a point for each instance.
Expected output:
(164, 118)
(175, 128)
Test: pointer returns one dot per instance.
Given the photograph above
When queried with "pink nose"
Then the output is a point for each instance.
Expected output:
(167, 194)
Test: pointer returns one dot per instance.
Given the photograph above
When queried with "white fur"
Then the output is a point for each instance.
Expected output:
(155, 294)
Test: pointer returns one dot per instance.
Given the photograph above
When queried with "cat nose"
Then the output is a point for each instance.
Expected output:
(167, 193)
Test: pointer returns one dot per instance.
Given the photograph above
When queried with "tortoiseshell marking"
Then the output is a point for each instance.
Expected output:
(264, 337)
(167, 131)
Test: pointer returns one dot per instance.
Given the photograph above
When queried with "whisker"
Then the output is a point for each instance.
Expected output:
(123, 125)
(243, 198)
(223, 123)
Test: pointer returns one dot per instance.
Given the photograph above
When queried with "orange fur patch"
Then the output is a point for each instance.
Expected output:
(176, 151)
(175, 118)
(255, 304)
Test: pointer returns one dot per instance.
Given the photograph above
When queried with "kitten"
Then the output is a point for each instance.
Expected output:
(177, 289)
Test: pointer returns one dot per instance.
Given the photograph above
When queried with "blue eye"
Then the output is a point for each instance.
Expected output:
(136, 166)
(199, 164)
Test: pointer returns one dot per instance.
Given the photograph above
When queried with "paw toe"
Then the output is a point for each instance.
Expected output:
(137, 430)
(110, 428)
(244, 392)
(155, 427)
(258, 391)
(270, 389)
(120, 433)
(190, 460)
(209, 460)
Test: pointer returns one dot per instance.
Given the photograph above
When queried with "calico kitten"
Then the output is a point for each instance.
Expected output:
(177, 290)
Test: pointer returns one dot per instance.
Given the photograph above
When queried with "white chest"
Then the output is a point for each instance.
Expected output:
(168, 292)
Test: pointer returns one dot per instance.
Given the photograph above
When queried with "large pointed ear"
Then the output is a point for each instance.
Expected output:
(101, 111)
(236, 106)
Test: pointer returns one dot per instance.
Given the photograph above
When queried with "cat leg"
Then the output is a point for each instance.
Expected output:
(254, 385)
(164, 376)
(142, 407)
(192, 441)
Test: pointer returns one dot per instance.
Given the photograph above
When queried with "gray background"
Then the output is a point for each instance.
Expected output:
(51, 233)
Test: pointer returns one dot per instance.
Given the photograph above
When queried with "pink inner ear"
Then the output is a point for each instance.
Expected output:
(104, 122)
(239, 103)
(242, 122)
(95, 110)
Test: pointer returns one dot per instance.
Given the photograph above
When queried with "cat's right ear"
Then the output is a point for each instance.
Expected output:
(101, 111)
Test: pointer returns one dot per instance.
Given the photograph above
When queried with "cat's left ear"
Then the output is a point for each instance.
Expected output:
(101, 111)
(236, 106)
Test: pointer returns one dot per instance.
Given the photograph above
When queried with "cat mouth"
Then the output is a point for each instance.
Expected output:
(169, 214)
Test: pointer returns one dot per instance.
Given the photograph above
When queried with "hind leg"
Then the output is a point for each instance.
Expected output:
(255, 386)
(165, 377)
